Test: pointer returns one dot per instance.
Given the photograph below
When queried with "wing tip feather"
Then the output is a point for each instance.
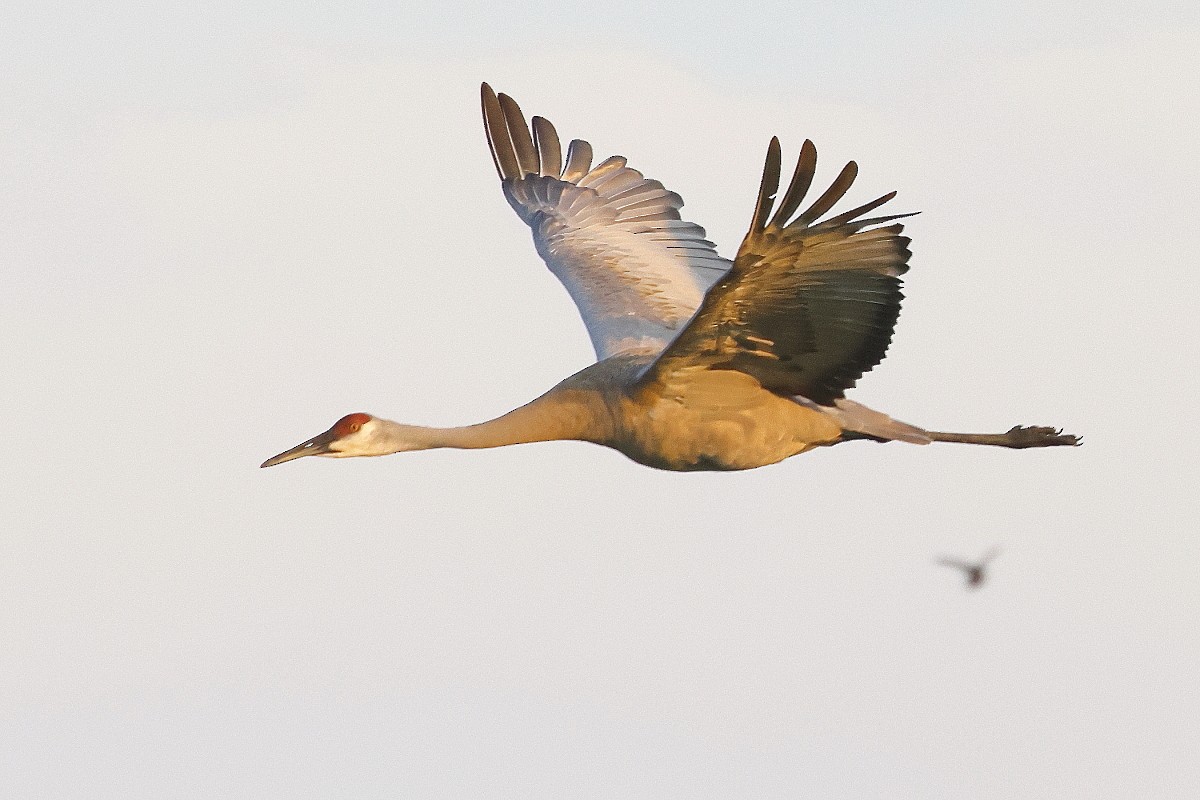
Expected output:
(768, 188)
(496, 129)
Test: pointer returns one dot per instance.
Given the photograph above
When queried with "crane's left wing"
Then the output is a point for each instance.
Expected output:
(808, 306)
(636, 271)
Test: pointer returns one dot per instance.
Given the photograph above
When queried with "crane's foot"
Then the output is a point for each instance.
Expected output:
(1017, 437)
(1040, 436)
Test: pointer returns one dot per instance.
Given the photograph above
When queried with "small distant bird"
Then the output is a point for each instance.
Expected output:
(974, 571)
(704, 363)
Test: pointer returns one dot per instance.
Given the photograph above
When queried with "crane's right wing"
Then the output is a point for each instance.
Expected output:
(636, 271)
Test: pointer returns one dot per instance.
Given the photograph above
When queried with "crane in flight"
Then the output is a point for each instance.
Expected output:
(702, 363)
(974, 572)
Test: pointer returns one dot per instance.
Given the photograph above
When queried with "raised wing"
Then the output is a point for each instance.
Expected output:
(635, 270)
(808, 306)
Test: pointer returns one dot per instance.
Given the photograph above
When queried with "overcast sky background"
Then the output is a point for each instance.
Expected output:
(222, 229)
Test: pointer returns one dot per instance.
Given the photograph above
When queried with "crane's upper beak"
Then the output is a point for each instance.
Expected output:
(316, 446)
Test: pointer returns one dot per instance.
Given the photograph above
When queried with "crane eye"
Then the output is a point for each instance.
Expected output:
(355, 426)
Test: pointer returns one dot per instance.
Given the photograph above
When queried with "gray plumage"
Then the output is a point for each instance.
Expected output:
(703, 363)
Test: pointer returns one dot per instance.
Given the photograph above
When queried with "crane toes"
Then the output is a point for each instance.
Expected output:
(1020, 436)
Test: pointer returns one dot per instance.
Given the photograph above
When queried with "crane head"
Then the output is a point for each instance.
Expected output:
(352, 435)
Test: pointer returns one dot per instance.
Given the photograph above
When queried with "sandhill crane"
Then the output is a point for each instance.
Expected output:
(703, 363)
(975, 572)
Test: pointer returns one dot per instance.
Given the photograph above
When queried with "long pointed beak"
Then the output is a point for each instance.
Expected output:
(317, 446)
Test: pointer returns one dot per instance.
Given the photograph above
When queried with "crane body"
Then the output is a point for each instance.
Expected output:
(703, 363)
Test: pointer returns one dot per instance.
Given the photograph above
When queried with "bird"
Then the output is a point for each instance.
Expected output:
(975, 572)
(703, 363)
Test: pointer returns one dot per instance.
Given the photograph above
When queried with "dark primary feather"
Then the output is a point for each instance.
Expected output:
(835, 192)
(808, 307)
(802, 178)
(768, 186)
(499, 143)
(549, 152)
(522, 140)
(579, 160)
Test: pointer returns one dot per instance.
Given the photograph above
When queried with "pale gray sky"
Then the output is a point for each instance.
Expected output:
(225, 228)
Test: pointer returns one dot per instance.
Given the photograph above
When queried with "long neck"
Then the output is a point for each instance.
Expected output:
(553, 416)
